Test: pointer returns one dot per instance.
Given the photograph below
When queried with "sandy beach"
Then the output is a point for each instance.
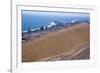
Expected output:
(66, 44)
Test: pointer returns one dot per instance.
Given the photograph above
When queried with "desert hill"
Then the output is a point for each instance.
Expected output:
(55, 43)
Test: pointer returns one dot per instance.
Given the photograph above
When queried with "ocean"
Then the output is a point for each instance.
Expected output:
(36, 19)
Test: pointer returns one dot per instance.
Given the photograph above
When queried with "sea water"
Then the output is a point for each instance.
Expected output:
(36, 19)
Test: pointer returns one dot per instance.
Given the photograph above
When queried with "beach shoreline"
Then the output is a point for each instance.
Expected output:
(26, 36)
(47, 45)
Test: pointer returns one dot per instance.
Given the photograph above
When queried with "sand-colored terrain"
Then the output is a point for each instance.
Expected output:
(70, 43)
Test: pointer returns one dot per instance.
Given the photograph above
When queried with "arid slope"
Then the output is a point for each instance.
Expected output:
(55, 43)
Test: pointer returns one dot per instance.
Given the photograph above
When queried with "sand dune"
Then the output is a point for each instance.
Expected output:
(55, 43)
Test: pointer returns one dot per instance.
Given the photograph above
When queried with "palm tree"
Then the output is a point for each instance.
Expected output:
(29, 30)
(42, 28)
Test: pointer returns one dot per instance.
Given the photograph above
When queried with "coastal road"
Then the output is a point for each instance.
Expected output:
(83, 55)
(82, 52)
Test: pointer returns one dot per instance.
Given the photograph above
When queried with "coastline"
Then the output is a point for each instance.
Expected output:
(35, 33)
(47, 44)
